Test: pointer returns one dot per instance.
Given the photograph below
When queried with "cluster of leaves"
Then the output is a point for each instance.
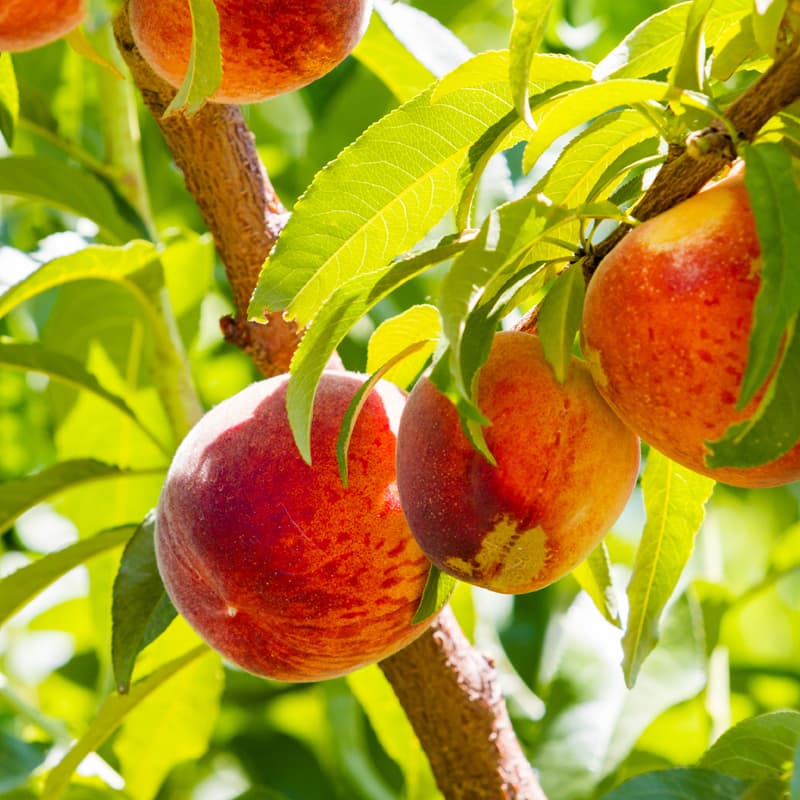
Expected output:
(535, 154)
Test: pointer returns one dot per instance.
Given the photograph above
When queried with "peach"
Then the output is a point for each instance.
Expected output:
(268, 46)
(25, 24)
(666, 328)
(565, 467)
(276, 565)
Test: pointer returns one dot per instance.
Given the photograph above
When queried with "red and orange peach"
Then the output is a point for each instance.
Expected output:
(565, 467)
(276, 565)
(25, 24)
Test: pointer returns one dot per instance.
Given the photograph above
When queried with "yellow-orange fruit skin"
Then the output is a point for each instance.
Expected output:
(666, 328)
(26, 24)
(268, 46)
(566, 466)
(274, 563)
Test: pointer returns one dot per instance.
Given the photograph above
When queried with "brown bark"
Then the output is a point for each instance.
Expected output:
(449, 691)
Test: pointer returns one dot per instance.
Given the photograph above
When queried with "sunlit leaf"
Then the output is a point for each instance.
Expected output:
(688, 71)
(736, 49)
(593, 575)
(394, 335)
(675, 499)
(775, 428)
(560, 318)
(204, 72)
(527, 32)
(438, 589)
(775, 200)
(9, 99)
(141, 610)
(113, 713)
(61, 185)
(766, 23)
(23, 493)
(23, 585)
(680, 784)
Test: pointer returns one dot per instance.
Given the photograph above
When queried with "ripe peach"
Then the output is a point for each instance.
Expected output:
(25, 24)
(566, 466)
(274, 563)
(268, 47)
(666, 325)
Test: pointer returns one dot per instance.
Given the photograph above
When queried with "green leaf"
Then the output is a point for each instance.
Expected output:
(594, 577)
(560, 318)
(98, 261)
(675, 499)
(348, 304)
(775, 200)
(33, 357)
(141, 610)
(416, 324)
(204, 72)
(775, 428)
(680, 784)
(585, 159)
(655, 44)
(734, 51)
(390, 724)
(756, 748)
(688, 71)
(9, 99)
(20, 587)
(527, 33)
(408, 49)
(566, 111)
(438, 589)
(61, 185)
(767, 22)
(357, 403)
(113, 713)
(794, 782)
(18, 759)
(170, 727)
(384, 192)
(23, 493)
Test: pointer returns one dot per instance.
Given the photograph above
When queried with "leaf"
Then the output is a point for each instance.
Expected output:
(688, 71)
(560, 318)
(170, 727)
(348, 304)
(357, 403)
(527, 33)
(18, 759)
(96, 261)
(141, 609)
(594, 576)
(775, 201)
(20, 587)
(33, 357)
(794, 782)
(775, 428)
(79, 42)
(383, 193)
(585, 159)
(756, 748)
(438, 589)
(731, 54)
(9, 99)
(204, 72)
(390, 724)
(62, 185)
(23, 493)
(415, 324)
(674, 499)
(767, 22)
(679, 784)
(408, 49)
(112, 714)
(655, 43)
(565, 112)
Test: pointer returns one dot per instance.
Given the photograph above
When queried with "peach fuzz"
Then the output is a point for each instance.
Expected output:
(566, 466)
(274, 563)
(26, 24)
(666, 327)
(268, 47)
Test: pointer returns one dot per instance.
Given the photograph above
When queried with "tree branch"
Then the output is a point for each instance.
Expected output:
(449, 691)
